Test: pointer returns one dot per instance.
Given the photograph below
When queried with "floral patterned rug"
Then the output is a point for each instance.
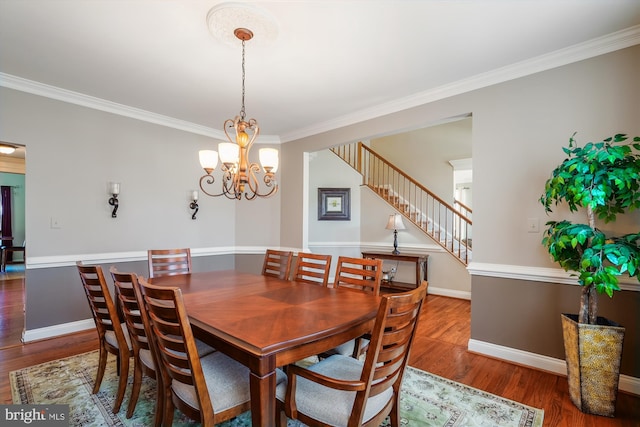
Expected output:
(426, 399)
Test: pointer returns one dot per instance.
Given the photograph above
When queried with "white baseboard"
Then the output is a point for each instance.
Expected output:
(449, 293)
(557, 366)
(57, 330)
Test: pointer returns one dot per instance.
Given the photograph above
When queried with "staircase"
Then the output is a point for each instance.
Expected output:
(449, 226)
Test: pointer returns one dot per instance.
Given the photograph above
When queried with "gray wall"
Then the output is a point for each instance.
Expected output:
(425, 153)
(54, 296)
(73, 153)
(519, 128)
(326, 170)
(525, 315)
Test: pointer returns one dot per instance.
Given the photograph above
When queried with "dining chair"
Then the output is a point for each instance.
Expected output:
(112, 334)
(343, 391)
(169, 262)
(277, 264)
(145, 357)
(5, 251)
(209, 390)
(312, 268)
(356, 274)
(145, 350)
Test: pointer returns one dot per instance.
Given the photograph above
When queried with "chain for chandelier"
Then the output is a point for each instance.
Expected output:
(242, 112)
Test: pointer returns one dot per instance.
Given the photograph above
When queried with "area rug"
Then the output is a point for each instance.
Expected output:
(426, 399)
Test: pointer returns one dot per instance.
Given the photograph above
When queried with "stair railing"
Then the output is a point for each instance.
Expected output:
(464, 209)
(447, 225)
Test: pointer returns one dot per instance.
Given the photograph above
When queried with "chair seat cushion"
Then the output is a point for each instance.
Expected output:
(347, 348)
(328, 405)
(204, 349)
(227, 383)
(110, 337)
(147, 358)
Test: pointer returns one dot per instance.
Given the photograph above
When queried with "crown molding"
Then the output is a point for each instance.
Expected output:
(53, 92)
(589, 49)
(36, 88)
(599, 46)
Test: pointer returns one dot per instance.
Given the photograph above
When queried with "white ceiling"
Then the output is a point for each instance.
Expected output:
(332, 62)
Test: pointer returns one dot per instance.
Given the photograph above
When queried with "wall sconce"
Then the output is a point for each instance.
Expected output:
(194, 203)
(114, 190)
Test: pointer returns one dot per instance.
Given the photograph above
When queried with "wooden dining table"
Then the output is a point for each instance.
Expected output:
(266, 323)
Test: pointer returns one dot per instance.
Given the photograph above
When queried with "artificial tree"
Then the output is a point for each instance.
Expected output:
(604, 179)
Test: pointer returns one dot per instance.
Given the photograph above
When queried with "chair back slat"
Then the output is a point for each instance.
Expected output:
(100, 300)
(277, 264)
(169, 262)
(312, 268)
(362, 274)
(391, 339)
(137, 323)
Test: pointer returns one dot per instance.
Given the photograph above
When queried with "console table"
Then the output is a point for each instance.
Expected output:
(420, 261)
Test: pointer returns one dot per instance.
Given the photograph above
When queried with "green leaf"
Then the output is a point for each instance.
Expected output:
(605, 177)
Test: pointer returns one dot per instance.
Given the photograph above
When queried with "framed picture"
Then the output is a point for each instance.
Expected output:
(334, 204)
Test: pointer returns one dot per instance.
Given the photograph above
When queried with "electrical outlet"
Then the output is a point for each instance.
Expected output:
(533, 225)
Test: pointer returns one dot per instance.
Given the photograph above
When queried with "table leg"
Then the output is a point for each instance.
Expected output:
(263, 399)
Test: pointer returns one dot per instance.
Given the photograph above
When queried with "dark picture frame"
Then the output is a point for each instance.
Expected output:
(334, 204)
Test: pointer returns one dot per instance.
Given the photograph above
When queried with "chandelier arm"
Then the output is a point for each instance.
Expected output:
(252, 181)
(254, 186)
(270, 181)
(274, 190)
(230, 124)
(231, 195)
(253, 125)
(209, 180)
(230, 185)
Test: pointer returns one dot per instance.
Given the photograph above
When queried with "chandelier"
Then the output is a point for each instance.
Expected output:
(239, 176)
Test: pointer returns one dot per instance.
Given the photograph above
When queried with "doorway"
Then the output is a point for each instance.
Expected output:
(12, 280)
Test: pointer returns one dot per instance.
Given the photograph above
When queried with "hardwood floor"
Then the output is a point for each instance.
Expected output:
(440, 348)
(11, 306)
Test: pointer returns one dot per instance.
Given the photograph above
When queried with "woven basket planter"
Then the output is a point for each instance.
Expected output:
(593, 354)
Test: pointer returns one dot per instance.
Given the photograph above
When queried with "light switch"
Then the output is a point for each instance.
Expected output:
(533, 225)
(55, 223)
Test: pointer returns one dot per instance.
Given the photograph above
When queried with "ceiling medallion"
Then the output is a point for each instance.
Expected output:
(224, 18)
